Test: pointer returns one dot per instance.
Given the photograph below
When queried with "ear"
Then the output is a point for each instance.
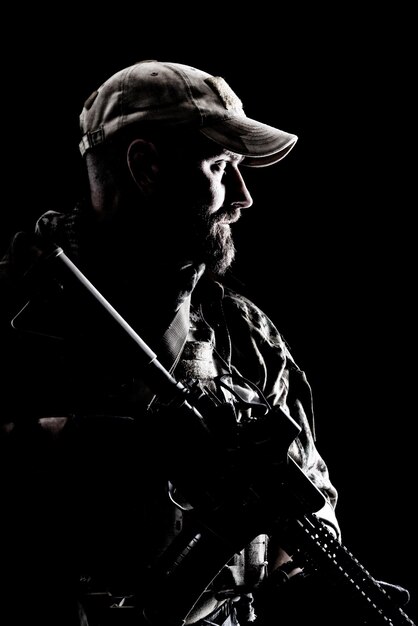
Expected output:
(143, 163)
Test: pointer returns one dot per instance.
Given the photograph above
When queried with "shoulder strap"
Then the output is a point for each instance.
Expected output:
(174, 338)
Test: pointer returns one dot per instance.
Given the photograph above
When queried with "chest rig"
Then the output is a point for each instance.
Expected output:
(204, 362)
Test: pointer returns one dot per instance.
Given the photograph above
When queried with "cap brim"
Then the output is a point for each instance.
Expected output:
(259, 143)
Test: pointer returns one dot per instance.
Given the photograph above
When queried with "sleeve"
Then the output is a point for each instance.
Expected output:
(262, 355)
(297, 402)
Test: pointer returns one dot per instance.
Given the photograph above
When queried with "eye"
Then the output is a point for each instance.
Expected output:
(219, 167)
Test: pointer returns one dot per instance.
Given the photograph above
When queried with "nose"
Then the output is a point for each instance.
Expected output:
(237, 194)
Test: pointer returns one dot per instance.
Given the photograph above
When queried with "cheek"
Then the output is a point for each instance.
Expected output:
(204, 191)
(198, 187)
(214, 194)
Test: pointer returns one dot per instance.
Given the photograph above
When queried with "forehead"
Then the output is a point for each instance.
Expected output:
(191, 145)
(208, 149)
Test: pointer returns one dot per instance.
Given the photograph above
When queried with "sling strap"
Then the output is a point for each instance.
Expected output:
(174, 338)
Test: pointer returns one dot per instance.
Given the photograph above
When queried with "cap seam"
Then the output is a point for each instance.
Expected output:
(123, 82)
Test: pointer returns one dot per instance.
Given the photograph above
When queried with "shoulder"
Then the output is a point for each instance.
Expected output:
(258, 348)
(258, 322)
(26, 247)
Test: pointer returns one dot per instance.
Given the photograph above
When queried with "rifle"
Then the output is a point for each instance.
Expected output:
(252, 464)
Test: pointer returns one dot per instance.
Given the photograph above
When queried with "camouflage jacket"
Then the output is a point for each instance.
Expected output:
(76, 419)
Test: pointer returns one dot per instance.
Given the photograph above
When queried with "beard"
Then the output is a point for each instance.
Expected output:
(197, 235)
(219, 248)
(213, 238)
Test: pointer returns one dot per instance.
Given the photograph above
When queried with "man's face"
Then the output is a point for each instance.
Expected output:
(201, 192)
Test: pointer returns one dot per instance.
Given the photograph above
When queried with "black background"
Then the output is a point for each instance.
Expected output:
(328, 248)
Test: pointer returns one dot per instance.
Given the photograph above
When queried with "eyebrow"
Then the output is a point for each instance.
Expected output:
(232, 155)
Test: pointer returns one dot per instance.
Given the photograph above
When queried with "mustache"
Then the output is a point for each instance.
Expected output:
(226, 216)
